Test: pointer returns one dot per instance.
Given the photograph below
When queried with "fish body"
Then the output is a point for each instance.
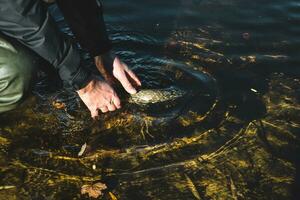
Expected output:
(155, 96)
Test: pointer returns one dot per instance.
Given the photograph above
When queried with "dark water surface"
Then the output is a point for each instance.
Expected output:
(233, 133)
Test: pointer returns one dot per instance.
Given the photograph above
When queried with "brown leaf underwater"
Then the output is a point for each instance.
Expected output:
(94, 190)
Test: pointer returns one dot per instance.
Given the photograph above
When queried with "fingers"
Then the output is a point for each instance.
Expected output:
(126, 84)
(122, 73)
(116, 101)
(104, 109)
(94, 113)
(134, 77)
(99, 96)
(111, 107)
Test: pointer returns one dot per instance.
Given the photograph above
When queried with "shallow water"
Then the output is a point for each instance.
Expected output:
(235, 137)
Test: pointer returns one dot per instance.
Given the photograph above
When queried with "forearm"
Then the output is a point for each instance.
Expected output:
(86, 21)
(30, 23)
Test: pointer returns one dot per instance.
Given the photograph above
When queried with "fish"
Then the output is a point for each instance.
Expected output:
(156, 96)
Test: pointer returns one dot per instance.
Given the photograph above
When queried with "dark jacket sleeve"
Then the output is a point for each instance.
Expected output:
(85, 18)
(29, 22)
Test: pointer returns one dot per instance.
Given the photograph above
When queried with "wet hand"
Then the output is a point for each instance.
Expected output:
(125, 75)
(99, 95)
(112, 67)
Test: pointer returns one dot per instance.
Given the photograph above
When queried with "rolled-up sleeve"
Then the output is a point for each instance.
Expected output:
(29, 22)
(85, 18)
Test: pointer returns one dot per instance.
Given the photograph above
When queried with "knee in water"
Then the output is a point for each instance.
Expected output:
(15, 77)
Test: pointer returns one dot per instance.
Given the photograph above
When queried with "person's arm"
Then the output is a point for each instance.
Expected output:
(86, 21)
(85, 18)
(30, 23)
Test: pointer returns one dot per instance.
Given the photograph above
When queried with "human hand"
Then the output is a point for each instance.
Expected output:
(111, 67)
(99, 95)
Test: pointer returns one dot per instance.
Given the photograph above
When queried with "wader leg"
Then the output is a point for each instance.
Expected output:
(17, 69)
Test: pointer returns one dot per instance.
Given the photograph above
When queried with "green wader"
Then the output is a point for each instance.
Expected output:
(17, 69)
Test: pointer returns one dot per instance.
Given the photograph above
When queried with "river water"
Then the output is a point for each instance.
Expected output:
(238, 139)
